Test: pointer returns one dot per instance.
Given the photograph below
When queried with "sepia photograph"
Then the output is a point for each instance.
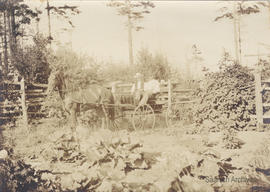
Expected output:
(134, 96)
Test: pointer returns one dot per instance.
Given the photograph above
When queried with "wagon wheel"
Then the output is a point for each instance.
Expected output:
(173, 115)
(143, 116)
(116, 122)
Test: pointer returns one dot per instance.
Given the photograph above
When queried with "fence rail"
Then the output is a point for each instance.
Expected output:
(18, 99)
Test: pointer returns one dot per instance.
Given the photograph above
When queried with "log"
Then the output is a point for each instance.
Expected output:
(32, 94)
(34, 91)
(34, 103)
(10, 91)
(39, 85)
(10, 105)
(10, 82)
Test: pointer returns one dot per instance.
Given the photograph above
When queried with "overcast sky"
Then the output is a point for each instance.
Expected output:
(171, 28)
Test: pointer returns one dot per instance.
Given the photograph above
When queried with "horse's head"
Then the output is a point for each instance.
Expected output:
(58, 83)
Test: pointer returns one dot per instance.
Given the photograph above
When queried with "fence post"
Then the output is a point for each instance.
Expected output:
(23, 102)
(169, 95)
(258, 97)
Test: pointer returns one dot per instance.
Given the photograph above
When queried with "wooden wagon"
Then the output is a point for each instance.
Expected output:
(167, 101)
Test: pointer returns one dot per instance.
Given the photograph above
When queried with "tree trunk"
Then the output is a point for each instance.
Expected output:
(13, 26)
(11, 39)
(130, 46)
(5, 46)
(49, 21)
(239, 40)
(236, 42)
(235, 27)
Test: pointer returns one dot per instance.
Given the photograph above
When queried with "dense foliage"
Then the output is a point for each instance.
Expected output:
(24, 49)
(32, 61)
(17, 176)
(227, 97)
(78, 70)
(151, 66)
(155, 66)
(111, 72)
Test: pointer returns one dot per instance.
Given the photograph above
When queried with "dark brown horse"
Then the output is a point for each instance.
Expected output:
(77, 99)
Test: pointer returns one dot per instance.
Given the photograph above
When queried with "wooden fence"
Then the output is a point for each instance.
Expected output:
(170, 94)
(20, 100)
(262, 86)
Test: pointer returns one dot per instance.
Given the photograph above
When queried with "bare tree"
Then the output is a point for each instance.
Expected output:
(134, 11)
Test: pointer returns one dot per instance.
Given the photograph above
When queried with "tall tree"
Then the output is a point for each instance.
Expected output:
(14, 15)
(134, 11)
(235, 11)
(194, 67)
(62, 11)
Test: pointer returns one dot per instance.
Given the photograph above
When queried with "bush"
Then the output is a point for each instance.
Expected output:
(226, 98)
(80, 70)
(32, 61)
(230, 140)
(16, 176)
(111, 72)
(156, 66)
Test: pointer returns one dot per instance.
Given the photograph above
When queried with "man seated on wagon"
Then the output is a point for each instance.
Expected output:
(145, 90)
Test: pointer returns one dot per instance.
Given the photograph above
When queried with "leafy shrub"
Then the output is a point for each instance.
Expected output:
(111, 72)
(16, 176)
(80, 70)
(230, 140)
(90, 118)
(226, 97)
(32, 61)
(156, 66)
(151, 66)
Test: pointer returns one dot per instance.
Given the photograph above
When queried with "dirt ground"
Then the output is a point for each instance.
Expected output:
(163, 159)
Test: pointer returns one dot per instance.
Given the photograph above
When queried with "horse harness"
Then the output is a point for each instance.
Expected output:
(97, 96)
